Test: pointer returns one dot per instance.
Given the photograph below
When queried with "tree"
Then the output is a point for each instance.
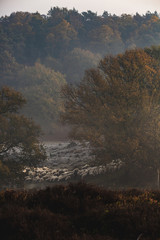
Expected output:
(60, 38)
(154, 52)
(105, 39)
(75, 63)
(41, 87)
(116, 109)
(18, 133)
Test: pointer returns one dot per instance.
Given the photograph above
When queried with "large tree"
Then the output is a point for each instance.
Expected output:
(116, 107)
(18, 133)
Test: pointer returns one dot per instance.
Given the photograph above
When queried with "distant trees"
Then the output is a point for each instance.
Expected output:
(41, 87)
(64, 42)
(76, 62)
(104, 39)
(154, 51)
(116, 107)
(30, 36)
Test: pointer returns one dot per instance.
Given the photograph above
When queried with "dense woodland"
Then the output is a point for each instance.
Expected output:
(40, 53)
(114, 105)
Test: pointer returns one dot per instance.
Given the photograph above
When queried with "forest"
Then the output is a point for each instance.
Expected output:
(41, 53)
(99, 77)
(95, 75)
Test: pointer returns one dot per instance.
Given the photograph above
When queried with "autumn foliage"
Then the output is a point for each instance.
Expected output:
(116, 108)
(38, 53)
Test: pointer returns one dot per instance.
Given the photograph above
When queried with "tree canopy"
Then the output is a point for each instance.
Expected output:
(64, 42)
(41, 87)
(29, 36)
(18, 133)
(116, 107)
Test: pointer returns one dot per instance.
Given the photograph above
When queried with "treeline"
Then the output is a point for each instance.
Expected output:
(78, 212)
(39, 53)
(29, 37)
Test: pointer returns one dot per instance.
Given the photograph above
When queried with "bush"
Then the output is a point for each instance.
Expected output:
(79, 211)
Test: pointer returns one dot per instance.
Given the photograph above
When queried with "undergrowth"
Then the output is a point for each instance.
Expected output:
(79, 211)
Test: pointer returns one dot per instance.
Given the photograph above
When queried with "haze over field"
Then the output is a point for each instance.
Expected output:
(112, 6)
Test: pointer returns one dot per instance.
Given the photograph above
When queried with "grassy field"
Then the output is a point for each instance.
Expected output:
(79, 211)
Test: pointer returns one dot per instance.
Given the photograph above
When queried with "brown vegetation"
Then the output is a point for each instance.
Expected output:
(79, 212)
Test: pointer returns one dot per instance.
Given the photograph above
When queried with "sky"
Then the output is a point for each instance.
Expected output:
(112, 6)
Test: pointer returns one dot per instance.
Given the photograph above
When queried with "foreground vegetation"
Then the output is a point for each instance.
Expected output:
(80, 211)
